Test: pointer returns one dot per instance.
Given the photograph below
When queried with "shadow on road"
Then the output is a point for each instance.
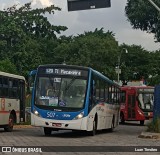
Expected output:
(132, 124)
(76, 134)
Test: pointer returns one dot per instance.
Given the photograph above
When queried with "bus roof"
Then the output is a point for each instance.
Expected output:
(11, 75)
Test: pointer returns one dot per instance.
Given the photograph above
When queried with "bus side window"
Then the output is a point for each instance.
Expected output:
(123, 97)
(91, 95)
(102, 91)
(10, 82)
(5, 87)
(0, 86)
(93, 92)
(15, 88)
(97, 87)
(110, 94)
(106, 92)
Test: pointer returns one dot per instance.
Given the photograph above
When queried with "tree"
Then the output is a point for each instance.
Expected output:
(7, 66)
(142, 15)
(154, 77)
(97, 49)
(137, 63)
(27, 56)
(25, 34)
(28, 21)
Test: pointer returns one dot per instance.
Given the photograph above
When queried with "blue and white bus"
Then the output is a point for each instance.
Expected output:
(74, 98)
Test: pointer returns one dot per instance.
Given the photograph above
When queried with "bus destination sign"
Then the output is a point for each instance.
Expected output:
(60, 71)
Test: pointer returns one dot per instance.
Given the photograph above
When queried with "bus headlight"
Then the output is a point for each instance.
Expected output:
(36, 113)
(140, 113)
(79, 116)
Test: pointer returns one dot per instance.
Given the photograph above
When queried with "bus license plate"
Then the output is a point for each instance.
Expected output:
(56, 124)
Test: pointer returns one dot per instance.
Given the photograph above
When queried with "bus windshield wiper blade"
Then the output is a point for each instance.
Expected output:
(70, 83)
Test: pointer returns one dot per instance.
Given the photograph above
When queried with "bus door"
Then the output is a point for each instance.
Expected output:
(22, 100)
(131, 106)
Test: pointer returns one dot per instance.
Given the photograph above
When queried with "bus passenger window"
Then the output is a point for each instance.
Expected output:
(0, 86)
(5, 87)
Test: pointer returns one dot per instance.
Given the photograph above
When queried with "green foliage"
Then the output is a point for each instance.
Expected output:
(28, 39)
(142, 15)
(25, 34)
(154, 126)
(29, 21)
(96, 49)
(137, 63)
(7, 66)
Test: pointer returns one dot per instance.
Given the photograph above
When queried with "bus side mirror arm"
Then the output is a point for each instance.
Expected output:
(31, 79)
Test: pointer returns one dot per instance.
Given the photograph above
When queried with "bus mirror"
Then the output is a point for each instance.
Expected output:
(31, 79)
(30, 85)
(93, 88)
(33, 73)
(93, 83)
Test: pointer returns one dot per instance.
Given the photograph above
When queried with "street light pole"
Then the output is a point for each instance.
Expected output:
(154, 5)
(118, 70)
(118, 67)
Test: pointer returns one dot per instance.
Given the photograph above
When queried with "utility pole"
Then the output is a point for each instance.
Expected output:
(118, 69)
(154, 5)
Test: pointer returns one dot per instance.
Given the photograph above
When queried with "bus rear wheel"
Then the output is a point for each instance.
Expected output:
(47, 131)
(142, 122)
(112, 125)
(122, 118)
(9, 127)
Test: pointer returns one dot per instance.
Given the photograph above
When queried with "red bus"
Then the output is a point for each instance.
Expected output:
(136, 103)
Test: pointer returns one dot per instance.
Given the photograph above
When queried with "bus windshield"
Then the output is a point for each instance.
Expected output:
(146, 101)
(61, 92)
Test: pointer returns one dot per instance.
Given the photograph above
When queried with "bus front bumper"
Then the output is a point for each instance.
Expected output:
(78, 124)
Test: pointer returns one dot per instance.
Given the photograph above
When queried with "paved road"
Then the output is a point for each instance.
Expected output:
(124, 135)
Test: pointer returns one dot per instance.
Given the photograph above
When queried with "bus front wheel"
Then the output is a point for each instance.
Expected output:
(47, 131)
(93, 132)
(9, 127)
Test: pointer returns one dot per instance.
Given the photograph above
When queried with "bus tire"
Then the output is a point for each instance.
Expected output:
(47, 131)
(142, 122)
(94, 128)
(10, 125)
(122, 118)
(93, 132)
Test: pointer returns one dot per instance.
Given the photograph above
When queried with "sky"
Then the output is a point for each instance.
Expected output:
(78, 22)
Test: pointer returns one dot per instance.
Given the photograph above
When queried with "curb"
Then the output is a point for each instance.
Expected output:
(149, 135)
(22, 126)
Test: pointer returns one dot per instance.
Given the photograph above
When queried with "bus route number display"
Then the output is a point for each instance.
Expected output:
(58, 71)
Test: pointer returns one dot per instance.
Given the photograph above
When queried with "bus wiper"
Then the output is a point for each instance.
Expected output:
(70, 83)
